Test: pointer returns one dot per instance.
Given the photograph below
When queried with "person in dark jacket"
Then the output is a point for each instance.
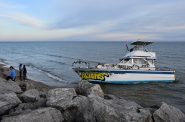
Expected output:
(12, 74)
(24, 71)
(20, 71)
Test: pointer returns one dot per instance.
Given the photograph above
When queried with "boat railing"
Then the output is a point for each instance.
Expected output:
(85, 64)
(81, 63)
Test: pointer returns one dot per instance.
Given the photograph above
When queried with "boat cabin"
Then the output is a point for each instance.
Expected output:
(139, 57)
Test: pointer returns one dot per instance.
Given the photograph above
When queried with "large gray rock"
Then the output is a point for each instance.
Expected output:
(8, 101)
(61, 98)
(85, 112)
(95, 108)
(73, 107)
(9, 86)
(118, 110)
(79, 111)
(40, 115)
(31, 95)
(168, 113)
(21, 108)
(86, 88)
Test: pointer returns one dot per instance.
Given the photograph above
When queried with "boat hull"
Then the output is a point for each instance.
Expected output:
(125, 76)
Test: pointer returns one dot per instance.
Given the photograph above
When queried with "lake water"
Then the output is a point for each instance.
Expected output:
(51, 63)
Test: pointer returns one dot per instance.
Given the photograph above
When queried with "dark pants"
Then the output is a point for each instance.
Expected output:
(9, 77)
(20, 75)
(24, 76)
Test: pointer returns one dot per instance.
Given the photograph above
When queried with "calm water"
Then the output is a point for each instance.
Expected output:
(50, 62)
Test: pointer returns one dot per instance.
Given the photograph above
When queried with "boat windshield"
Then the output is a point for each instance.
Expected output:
(139, 62)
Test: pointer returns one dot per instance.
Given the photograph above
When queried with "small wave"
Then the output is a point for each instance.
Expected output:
(58, 62)
(3, 61)
(59, 56)
(54, 77)
(46, 72)
(33, 66)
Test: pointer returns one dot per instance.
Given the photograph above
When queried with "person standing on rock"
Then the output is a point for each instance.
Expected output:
(20, 71)
(24, 71)
(12, 74)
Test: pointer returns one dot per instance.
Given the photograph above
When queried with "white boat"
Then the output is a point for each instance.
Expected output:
(137, 66)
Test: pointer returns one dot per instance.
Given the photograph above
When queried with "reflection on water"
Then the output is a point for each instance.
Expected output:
(149, 95)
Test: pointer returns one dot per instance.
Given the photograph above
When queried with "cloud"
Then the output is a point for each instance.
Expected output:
(83, 13)
(99, 19)
(24, 19)
(17, 13)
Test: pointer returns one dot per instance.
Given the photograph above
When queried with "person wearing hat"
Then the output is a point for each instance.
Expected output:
(12, 74)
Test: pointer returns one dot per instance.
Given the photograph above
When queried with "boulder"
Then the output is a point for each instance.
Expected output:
(79, 111)
(86, 88)
(21, 108)
(8, 101)
(96, 90)
(73, 107)
(118, 110)
(40, 115)
(31, 95)
(6, 86)
(60, 98)
(168, 113)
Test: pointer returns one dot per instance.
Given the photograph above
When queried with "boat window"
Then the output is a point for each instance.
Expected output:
(126, 59)
(139, 61)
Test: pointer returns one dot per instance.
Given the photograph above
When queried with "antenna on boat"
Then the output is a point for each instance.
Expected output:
(126, 45)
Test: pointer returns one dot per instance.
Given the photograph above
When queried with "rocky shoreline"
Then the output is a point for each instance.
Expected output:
(31, 101)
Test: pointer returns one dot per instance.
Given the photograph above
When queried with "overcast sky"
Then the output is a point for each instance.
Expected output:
(92, 20)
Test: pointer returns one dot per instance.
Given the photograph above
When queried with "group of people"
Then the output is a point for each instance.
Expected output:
(22, 73)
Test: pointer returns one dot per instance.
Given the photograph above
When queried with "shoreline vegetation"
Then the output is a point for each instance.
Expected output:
(32, 101)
